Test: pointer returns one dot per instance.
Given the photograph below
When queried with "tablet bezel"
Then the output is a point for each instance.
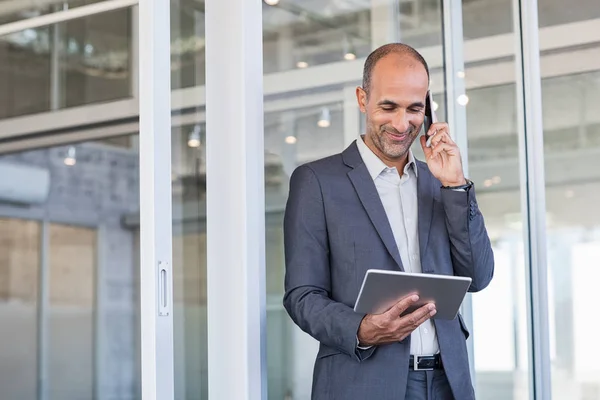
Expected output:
(381, 289)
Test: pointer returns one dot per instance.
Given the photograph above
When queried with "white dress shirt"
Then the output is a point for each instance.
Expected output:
(399, 197)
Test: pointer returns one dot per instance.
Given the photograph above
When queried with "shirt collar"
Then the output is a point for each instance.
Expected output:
(374, 164)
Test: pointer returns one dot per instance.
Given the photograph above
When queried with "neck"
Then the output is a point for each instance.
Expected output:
(398, 162)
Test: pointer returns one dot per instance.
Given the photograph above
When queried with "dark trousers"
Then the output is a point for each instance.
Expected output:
(428, 385)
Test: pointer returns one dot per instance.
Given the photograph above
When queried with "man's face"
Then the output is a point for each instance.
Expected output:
(395, 106)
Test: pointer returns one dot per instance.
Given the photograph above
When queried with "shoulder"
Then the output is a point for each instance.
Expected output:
(323, 168)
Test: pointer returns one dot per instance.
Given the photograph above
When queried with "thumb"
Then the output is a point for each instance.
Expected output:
(426, 150)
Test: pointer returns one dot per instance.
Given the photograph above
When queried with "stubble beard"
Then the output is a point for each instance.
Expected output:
(389, 148)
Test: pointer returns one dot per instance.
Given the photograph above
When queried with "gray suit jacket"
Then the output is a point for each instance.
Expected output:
(335, 229)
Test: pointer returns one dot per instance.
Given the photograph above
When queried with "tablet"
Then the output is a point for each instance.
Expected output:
(381, 289)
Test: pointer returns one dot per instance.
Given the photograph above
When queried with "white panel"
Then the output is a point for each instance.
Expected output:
(156, 278)
(235, 201)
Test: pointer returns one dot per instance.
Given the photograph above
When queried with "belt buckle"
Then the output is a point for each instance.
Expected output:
(416, 364)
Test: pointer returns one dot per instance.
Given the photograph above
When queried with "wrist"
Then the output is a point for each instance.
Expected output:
(453, 184)
(363, 335)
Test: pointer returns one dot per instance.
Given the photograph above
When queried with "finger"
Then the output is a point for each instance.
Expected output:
(438, 126)
(426, 150)
(441, 136)
(417, 317)
(397, 309)
(450, 149)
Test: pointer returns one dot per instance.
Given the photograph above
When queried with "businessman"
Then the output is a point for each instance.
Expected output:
(376, 206)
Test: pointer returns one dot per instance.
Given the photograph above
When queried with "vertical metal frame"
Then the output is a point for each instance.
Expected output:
(98, 314)
(533, 201)
(156, 277)
(43, 311)
(456, 115)
(235, 201)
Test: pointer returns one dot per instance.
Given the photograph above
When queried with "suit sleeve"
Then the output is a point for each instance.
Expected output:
(470, 245)
(308, 278)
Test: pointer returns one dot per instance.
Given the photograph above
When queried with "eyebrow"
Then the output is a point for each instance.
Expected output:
(394, 104)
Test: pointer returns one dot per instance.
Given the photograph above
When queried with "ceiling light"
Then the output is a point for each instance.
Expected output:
(271, 2)
(488, 183)
(463, 99)
(460, 74)
(349, 53)
(301, 64)
(324, 118)
(194, 137)
(291, 139)
(435, 106)
(70, 159)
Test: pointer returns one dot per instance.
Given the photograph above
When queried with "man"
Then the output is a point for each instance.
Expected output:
(375, 206)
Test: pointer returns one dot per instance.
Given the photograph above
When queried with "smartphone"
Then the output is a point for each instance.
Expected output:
(430, 117)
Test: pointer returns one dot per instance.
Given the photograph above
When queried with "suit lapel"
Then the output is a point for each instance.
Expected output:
(425, 205)
(369, 197)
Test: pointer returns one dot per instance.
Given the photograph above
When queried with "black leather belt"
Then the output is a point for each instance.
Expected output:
(425, 363)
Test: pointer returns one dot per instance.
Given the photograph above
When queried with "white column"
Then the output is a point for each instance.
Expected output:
(533, 196)
(235, 200)
(156, 277)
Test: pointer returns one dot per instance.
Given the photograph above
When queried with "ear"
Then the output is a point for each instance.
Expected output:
(361, 98)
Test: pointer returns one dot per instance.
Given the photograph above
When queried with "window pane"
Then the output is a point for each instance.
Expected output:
(74, 63)
(25, 72)
(19, 285)
(94, 58)
(71, 321)
(500, 335)
(189, 205)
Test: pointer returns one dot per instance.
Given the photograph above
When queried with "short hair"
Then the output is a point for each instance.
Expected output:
(381, 52)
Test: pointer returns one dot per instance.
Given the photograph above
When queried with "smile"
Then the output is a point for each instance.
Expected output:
(396, 137)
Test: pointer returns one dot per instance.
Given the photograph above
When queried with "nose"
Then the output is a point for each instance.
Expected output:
(401, 122)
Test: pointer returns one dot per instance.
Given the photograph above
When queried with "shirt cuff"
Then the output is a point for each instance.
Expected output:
(361, 347)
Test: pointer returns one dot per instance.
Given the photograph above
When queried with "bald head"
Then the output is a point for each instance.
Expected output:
(399, 49)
